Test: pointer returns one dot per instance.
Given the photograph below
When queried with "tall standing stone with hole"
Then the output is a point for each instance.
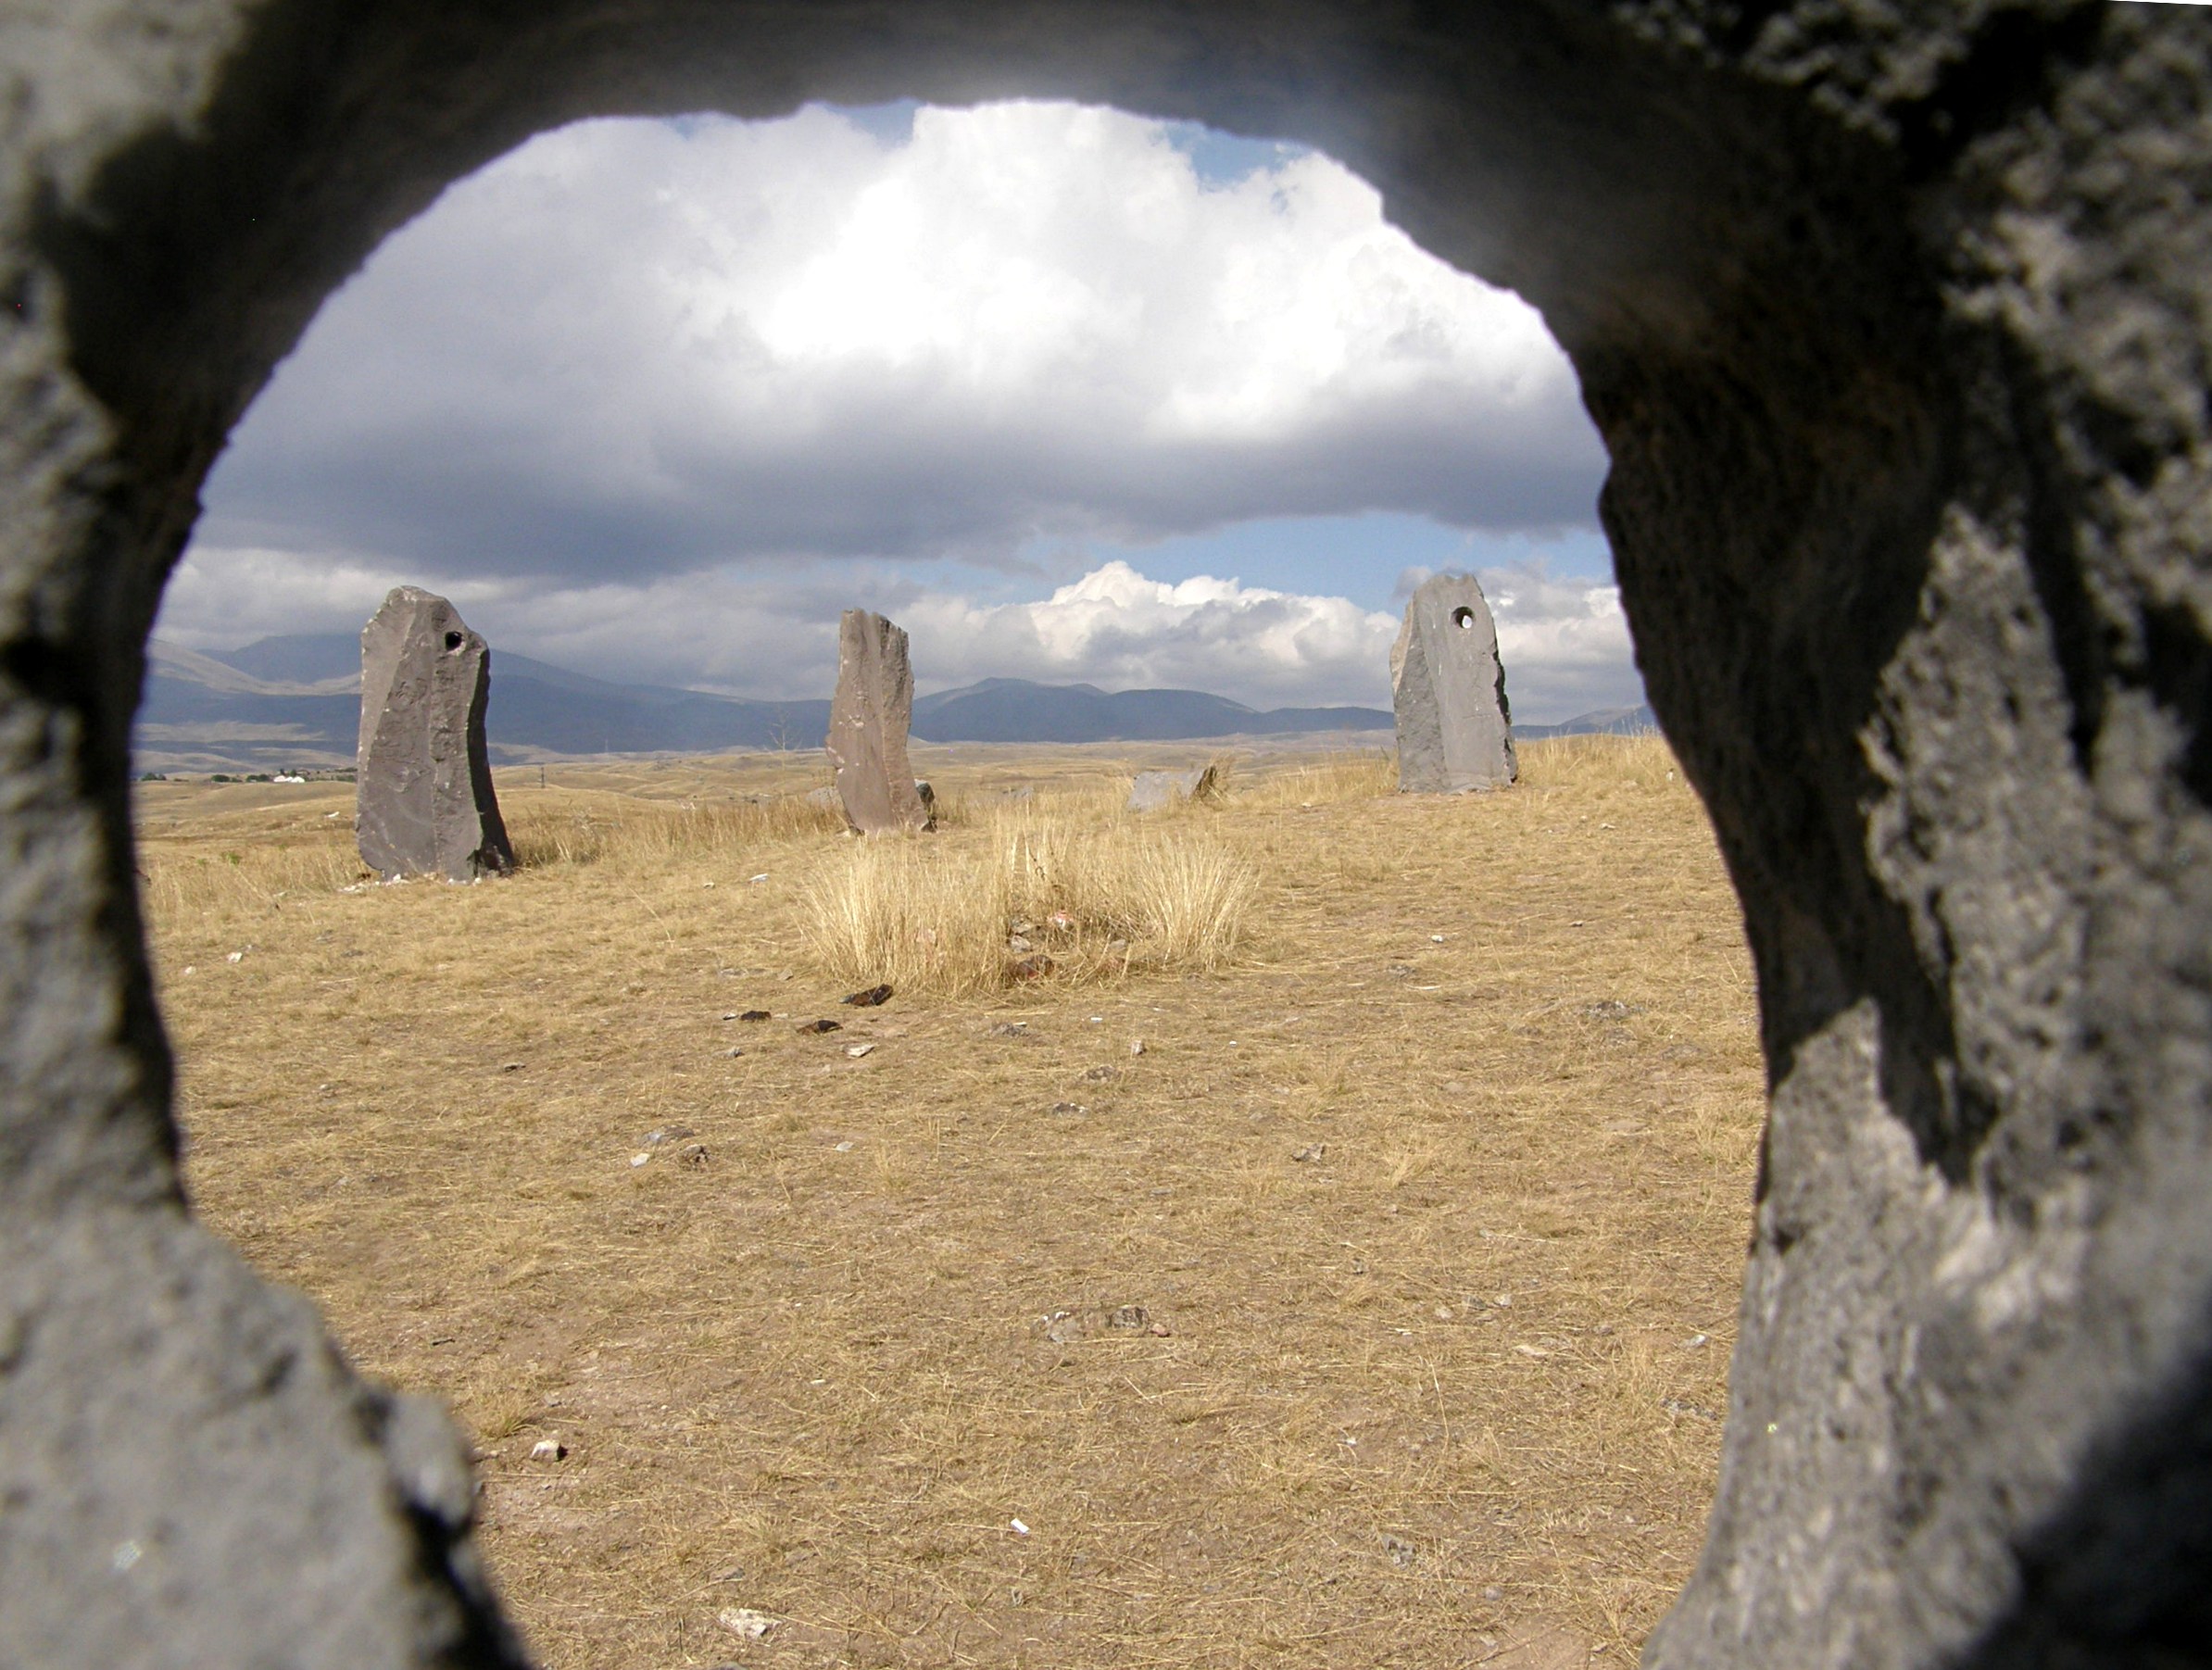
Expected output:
(869, 718)
(424, 802)
(1448, 687)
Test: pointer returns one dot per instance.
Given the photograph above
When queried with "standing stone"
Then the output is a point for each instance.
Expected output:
(1448, 687)
(424, 802)
(868, 726)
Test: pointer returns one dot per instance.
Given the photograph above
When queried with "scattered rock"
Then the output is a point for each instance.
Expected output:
(1061, 1328)
(744, 1621)
(1033, 967)
(548, 1449)
(754, 1015)
(510, 1067)
(1069, 1108)
(1136, 1046)
(1400, 1551)
(1014, 942)
(1010, 1029)
(733, 1052)
(693, 1154)
(820, 1027)
(874, 998)
(1611, 1008)
(1314, 1153)
(1400, 971)
(671, 1134)
(1097, 1076)
(857, 1050)
(1130, 1316)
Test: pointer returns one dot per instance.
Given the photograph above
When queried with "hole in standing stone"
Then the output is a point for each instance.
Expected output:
(453, 640)
(1463, 618)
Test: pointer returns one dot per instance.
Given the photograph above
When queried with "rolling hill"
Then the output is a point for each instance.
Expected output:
(294, 700)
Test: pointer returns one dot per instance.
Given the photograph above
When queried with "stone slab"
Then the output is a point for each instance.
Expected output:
(1447, 691)
(869, 716)
(423, 803)
(1156, 791)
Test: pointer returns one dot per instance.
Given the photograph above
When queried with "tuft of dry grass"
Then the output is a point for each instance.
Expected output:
(1322, 782)
(1163, 895)
(958, 914)
(616, 830)
(1431, 1197)
(922, 917)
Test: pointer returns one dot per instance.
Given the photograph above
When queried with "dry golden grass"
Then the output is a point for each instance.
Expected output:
(923, 916)
(1432, 1194)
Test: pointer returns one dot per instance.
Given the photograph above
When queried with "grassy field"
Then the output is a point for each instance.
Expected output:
(1350, 1283)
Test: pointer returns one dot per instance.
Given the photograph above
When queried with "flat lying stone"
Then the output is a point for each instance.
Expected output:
(1155, 791)
(423, 803)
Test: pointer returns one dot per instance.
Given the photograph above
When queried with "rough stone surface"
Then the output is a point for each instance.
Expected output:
(1447, 691)
(1156, 791)
(423, 803)
(1894, 319)
(869, 718)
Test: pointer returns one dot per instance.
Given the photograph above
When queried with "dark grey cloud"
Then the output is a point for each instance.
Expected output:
(643, 349)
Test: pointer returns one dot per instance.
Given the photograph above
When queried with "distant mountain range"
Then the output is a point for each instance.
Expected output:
(1604, 722)
(295, 701)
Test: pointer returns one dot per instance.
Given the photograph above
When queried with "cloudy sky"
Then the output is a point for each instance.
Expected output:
(1070, 394)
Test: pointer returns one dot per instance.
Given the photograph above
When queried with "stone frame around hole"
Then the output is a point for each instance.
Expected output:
(1897, 345)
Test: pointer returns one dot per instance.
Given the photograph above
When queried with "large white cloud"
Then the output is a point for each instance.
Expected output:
(639, 349)
(1117, 629)
(657, 400)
